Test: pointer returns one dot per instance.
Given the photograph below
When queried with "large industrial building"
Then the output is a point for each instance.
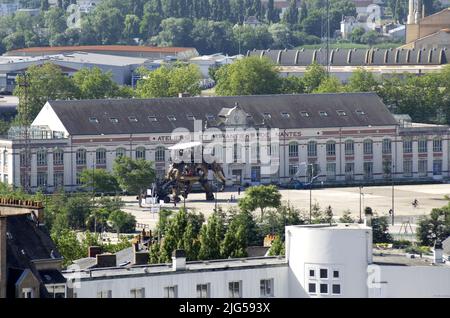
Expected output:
(322, 261)
(122, 68)
(348, 138)
(344, 62)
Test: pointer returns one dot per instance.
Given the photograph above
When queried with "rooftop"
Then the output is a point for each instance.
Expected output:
(163, 115)
(120, 48)
(391, 259)
(198, 266)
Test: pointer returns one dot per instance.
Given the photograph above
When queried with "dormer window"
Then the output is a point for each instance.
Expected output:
(152, 118)
(249, 117)
(285, 115)
(114, 120)
(323, 114)
(304, 114)
(93, 120)
(341, 113)
(190, 117)
(360, 112)
(171, 117)
(133, 119)
(267, 116)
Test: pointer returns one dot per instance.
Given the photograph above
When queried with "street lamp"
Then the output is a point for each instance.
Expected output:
(360, 203)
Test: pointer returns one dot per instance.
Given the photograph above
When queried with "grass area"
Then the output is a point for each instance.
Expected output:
(384, 45)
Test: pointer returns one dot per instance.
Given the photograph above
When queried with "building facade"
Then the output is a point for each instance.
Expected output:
(322, 261)
(341, 138)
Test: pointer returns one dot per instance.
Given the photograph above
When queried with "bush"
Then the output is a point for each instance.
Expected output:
(401, 244)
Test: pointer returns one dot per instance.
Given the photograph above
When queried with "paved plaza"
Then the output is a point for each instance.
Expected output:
(340, 199)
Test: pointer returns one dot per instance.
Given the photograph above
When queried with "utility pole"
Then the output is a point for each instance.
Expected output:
(24, 122)
(360, 204)
(328, 38)
(310, 192)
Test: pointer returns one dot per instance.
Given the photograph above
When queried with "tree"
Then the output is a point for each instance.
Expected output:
(315, 74)
(272, 14)
(94, 84)
(235, 241)
(290, 16)
(275, 221)
(248, 76)
(330, 84)
(435, 227)
(131, 27)
(370, 37)
(281, 35)
(122, 222)
(134, 176)
(277, 247)
(169, 81)
(260, 197)
(362, 80)
(45, 82)
(99, 181)
(347, 217)
(77, 210)
(292, 85)
(380, 230)
(68, 246)
(356, 34)
(211, 236)
(174, 32)
(44, 5)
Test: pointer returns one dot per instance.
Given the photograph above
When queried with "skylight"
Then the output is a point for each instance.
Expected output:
(360, 112)
(267, 116)
(190, 117)
(152, 118)
(93, 119)
(341, 113)
(323, 114)
(285, 115)
(304, 114)
(133, 119)
(114, 120)
(172, 117)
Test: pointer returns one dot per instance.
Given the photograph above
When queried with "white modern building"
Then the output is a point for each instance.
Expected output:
(322, 261)
(348, 138)
(205, 62)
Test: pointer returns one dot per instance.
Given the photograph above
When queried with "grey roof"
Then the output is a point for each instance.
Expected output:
(131, 116)
(356, 57)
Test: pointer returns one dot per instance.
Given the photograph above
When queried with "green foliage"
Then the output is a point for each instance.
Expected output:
(134, 176)
(362, 81)
(122, 222)
(315, 74)
(275, 221)
(94, 84)
(278, 247)
(211, 236)
(68, 246)
(248, 76)
(260, 197)
(292, 85)
(435, 227)
(234, 243)
(169, 81)
(347, 217)
(99, 181)
(380, 230)
(329, 84)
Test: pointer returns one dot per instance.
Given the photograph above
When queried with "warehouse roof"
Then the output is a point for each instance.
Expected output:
(355, 57)
(163, 115)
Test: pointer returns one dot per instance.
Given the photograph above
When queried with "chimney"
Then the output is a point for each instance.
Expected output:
(438, 253)
(179, 260)
(141, 258)
(182, 95)
(106, 260)
(93, 251)
(368, 214)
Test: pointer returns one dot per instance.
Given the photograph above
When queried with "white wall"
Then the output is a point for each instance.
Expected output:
(413, 282)
(48, 117)
(187, 283)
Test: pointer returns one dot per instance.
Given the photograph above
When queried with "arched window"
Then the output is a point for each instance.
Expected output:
(58, 157)
(81, 157)
(331, 148)
(160, 154)
(312, 149)
(100, 156)
(349, 148)
(387, 146)
(293, 149)
(121, 152)
(140, 153)
(368, 147)
(41, 157)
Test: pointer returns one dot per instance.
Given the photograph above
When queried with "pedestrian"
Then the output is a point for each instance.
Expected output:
(239, 190)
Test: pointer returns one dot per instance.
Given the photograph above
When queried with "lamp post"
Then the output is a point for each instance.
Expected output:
(360, 203)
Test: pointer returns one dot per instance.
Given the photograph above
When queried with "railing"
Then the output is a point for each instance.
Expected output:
(21, 203)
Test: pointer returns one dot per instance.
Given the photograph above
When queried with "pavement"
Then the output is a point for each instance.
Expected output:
(340, 199)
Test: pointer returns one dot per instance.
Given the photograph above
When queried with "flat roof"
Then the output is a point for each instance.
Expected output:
(191, 267)
(390, 259)
(121, 48)
(334, 226)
